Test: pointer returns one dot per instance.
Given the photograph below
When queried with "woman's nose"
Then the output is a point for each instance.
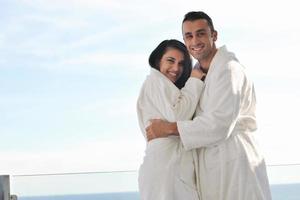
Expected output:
(176, 67)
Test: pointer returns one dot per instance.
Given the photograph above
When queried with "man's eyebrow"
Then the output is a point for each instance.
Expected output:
(188, 33)
(197, 31)
(201, 30)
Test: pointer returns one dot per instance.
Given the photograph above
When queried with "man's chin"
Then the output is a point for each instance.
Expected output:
(197, 57)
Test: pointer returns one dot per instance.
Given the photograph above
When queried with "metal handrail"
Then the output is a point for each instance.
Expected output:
(120, 171)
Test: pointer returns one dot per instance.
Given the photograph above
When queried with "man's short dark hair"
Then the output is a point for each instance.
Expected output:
(195, 15)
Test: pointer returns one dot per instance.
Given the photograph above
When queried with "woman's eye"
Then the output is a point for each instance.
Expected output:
(170, 61)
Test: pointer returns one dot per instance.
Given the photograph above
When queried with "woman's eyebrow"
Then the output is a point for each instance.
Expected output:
(170, 57)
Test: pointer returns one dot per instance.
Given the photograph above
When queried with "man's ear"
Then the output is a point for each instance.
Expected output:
(215, 35)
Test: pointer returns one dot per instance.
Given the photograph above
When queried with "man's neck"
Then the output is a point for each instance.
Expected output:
(205, 64)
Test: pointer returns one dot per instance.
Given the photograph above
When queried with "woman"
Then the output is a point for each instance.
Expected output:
(171, 92)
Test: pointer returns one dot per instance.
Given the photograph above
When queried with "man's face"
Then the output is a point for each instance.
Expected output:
(199, 39)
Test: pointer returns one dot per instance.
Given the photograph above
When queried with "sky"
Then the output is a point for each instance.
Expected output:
(71, 71)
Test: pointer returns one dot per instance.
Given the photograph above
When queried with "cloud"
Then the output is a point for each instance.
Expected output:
(72, 4)
(58, 21)
(82, 157)
(103, 59)
(107, 110)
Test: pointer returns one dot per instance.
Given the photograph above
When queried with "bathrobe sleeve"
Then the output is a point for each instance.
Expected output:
(218, 115)
(161, 99)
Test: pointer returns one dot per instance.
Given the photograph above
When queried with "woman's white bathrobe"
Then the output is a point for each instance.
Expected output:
(230, 163)
(168, 171)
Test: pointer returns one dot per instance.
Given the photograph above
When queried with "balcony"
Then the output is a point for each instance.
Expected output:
(113, 185)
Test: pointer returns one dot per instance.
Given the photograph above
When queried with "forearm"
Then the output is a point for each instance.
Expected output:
(159, 128)
(170, 128)
(185, 105)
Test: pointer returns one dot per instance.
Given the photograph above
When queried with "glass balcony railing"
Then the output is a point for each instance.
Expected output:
(284, 180)
(75, 186)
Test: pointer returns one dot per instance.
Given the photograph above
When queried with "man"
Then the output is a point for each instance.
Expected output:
(230, 164)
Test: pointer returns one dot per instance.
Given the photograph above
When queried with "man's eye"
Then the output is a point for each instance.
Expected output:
(201, 34)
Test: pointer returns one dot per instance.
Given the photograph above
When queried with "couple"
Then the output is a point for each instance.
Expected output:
(199, 123)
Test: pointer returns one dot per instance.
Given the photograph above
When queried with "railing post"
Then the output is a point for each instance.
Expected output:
(5, 188)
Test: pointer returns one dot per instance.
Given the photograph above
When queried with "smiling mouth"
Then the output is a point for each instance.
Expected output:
(197, 48)
(173, 75)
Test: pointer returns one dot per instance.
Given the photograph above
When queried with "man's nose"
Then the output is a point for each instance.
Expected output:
(195, 40)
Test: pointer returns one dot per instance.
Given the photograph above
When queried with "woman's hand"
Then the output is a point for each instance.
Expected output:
(196, 73)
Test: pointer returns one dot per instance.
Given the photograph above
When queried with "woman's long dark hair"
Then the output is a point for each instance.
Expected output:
(161, 49)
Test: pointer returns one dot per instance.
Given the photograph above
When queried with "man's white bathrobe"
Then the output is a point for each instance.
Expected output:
(230, 163)
(168, 171)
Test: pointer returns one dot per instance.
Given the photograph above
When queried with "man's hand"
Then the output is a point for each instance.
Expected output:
(159, 128)
(155, 129)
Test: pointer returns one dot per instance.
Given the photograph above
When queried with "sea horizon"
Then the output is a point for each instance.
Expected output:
(279, 192)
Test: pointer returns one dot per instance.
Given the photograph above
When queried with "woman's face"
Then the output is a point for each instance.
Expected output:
(171, 64)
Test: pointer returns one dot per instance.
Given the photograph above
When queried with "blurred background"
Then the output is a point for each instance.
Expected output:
(71, 71)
